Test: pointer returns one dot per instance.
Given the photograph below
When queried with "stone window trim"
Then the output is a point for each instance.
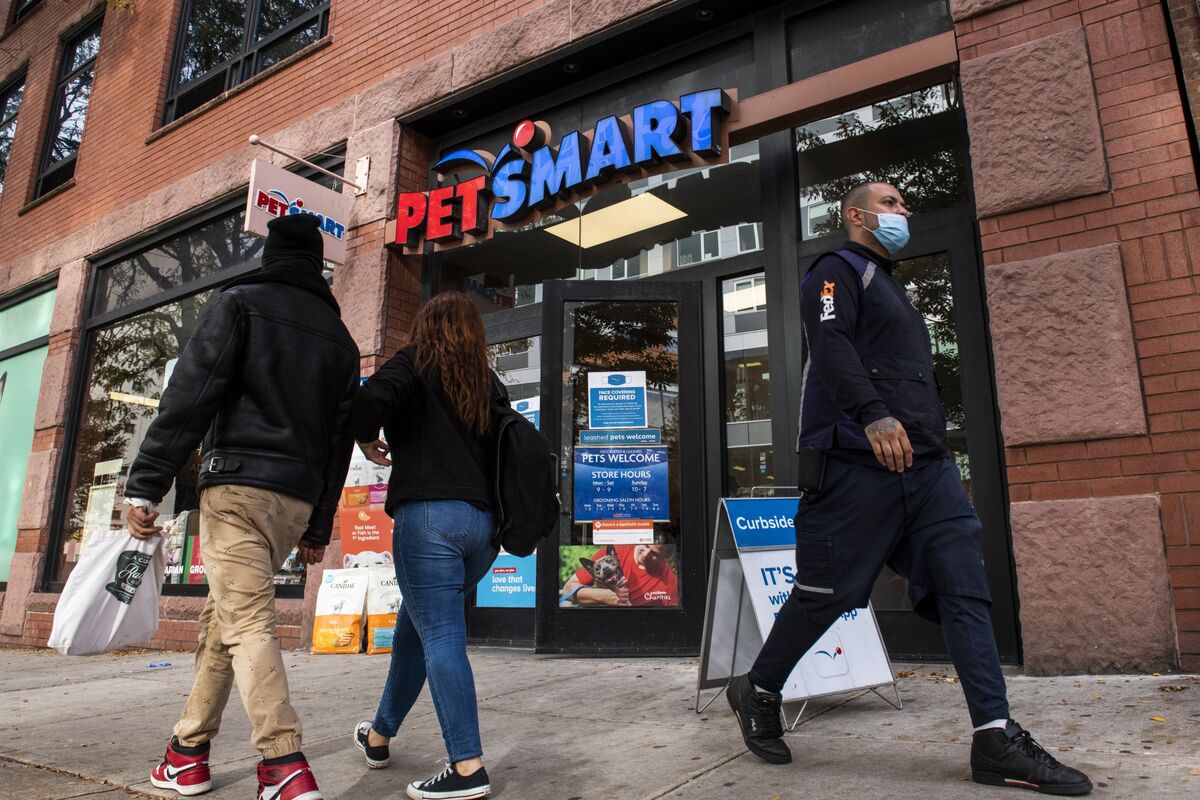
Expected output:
(241, 88)
(47, 197)
(21, 11)
(241, 66)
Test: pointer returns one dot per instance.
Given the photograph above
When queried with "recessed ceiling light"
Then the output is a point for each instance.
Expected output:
(572, 68)
(459, 113)
(616, 221)
(704, 15)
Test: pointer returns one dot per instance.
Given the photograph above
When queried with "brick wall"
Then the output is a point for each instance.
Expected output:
(1152, 211)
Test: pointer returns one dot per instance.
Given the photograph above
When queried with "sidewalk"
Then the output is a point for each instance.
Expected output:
(587, 729)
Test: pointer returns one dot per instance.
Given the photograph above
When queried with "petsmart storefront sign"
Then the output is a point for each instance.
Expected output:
(530, 177)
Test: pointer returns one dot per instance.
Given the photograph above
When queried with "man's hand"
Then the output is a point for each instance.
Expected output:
(141, 523)
(613, 597)
(310, 554)
(889, 440)
(376, 452)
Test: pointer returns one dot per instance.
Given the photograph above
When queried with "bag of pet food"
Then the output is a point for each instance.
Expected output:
(383, 603)
(339, 613)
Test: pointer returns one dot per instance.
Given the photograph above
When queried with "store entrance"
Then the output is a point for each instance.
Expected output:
(611, 375)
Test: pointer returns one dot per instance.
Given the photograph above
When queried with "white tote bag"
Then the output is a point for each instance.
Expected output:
(111, 597)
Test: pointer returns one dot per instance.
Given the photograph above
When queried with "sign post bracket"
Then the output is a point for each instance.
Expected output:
(358, 189)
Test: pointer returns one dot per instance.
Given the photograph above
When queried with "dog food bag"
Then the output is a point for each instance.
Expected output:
(383, 603)
(339, 613)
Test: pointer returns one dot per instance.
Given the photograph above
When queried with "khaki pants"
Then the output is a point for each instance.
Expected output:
(245, 535)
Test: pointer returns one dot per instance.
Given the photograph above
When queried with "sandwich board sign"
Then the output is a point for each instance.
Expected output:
(275, 192)
(751, 573)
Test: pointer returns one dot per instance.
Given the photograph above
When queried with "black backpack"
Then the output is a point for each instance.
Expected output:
(526, 498)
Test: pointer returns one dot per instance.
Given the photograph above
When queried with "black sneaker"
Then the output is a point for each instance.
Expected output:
(758, 715)
(1011, 757)
(377, 757)
(449, 785)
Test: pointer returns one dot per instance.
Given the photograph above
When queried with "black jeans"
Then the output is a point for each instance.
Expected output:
(919, 523)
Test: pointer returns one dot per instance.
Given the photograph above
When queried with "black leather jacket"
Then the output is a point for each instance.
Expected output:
(268, 380)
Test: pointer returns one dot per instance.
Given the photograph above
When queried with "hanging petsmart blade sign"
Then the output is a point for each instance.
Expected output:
(275, 192)
(531, 176)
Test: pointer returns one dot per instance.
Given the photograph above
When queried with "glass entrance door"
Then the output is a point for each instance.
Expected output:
(621, 405)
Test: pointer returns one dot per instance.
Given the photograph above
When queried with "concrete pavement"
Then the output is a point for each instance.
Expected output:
(588, 729)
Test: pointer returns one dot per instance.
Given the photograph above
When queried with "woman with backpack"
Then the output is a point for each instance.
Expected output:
(434, 401)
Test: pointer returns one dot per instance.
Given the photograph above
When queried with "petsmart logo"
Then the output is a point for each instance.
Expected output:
(276, 203)
(528, 175)
(837, 651)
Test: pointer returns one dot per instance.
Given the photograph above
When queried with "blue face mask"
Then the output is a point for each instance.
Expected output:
(892, 232)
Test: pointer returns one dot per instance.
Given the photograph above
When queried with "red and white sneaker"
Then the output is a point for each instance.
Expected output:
(182, 773)
(293, 781)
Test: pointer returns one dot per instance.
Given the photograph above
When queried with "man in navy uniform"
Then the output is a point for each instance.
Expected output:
(881, 489)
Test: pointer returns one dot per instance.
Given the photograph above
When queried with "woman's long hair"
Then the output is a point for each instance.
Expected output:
(448, 341)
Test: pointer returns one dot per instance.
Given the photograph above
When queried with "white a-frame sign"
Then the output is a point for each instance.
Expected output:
(750, 575)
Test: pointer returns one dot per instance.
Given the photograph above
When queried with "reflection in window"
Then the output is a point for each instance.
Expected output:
(749, 454)
(212, 247)
(10, 104)
(23, 7)
(69, 112)
(927, 281)
(913, 142)
(702, 214)
(131, 362)
(225, 42)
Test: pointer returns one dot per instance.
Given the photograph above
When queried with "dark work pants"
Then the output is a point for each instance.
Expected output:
(919, 523)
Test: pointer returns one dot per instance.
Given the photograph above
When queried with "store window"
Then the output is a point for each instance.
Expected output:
(225, 42)
(144, 309)
(69, 110)
(749, 454)
(628, 230)
(24, 334)
(10, 104)
(913, 141)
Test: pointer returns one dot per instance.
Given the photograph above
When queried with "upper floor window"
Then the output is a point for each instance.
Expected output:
(10, 103)
(22, 8)
(224, 42)
(69, 111)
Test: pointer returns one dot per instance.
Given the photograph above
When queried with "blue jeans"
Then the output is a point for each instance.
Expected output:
(442, 549)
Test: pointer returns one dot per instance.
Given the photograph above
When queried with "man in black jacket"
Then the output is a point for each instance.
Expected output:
(268, 380)
(881, 489)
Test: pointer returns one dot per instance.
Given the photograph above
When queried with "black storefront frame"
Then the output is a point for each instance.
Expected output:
(88, 323)
(782, 251)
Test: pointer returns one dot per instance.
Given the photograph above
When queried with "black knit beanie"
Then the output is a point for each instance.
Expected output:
(294, 242)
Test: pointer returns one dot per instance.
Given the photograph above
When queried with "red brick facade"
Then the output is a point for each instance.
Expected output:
(1153, 212)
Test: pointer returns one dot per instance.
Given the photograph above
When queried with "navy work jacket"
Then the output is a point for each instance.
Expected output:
(866, 356)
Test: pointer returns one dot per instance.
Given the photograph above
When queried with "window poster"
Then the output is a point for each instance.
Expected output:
(617, 399)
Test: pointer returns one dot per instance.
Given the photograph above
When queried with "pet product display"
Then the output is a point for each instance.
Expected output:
(383, 603)
(339, 612)
(111, 597)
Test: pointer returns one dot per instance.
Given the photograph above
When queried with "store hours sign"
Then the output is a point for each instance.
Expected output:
(621, 483)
